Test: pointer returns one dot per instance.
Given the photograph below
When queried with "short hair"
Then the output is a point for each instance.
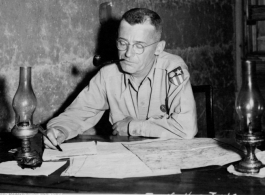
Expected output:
(141, 15)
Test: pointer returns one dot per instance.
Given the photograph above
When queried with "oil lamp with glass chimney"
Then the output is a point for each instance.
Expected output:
(249, 107)
(24, 105)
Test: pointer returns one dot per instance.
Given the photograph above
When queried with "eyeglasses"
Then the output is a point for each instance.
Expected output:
(137, 47)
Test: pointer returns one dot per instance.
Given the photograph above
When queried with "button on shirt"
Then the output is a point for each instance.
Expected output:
(141, 96)
(159, 107)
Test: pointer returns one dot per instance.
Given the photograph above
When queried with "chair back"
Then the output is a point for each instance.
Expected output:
(203, 95)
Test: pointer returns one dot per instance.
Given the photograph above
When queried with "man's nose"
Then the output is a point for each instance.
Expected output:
(130, 51)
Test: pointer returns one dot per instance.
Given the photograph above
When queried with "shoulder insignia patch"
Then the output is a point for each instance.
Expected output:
(176, 76)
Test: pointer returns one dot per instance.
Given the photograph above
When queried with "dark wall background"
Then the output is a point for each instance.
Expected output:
(203, 35)
(59, 38)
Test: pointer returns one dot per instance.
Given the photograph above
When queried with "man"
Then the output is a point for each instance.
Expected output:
(148, 94)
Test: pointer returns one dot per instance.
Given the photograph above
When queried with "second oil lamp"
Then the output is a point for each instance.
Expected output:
(249, 107)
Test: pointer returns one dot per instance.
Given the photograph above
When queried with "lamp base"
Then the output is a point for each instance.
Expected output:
(248, 166)
(250, 163)
(28, 159)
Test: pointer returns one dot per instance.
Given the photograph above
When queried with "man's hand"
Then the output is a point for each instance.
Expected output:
(121, 127)
(56, 136)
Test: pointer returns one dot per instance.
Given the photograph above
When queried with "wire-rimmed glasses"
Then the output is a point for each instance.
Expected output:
(138, 48)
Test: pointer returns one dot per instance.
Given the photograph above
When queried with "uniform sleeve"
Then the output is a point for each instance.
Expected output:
(181, 122)
(85, 111)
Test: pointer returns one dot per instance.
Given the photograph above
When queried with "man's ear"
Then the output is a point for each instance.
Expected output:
(160, 47)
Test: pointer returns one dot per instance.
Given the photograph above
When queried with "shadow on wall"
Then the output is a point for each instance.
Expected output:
(106, 40)
(5, 110)
(106, 48)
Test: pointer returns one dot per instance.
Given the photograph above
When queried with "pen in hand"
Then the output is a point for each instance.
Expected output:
(44, 134)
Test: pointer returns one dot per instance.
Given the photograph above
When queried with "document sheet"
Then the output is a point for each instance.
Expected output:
(70, 150)
(185, 154)
(47, 168)
(113, 160)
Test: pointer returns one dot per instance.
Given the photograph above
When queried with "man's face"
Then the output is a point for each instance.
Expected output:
(138, 65)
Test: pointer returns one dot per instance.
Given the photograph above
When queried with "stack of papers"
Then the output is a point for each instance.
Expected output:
(152, 157)
(113, 160)
(133, 159)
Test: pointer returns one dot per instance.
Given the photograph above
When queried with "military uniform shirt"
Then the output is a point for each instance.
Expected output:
(161, 106)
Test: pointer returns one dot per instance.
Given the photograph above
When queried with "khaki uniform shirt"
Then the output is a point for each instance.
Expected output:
(162, 106)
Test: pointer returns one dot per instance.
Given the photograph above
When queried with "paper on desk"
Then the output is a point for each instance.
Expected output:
(152, 157)
(12, 168)
(75, 165)
(184, 154)
(113, 160)
(70, 150)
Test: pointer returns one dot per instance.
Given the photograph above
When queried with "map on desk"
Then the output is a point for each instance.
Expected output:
(185, 154)
(152, 157)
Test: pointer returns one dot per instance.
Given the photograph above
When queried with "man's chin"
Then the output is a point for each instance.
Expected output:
(127, 69)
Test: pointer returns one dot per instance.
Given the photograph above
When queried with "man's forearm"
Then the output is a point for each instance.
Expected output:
(163, 127)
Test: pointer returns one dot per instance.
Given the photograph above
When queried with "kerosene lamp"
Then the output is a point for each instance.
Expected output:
(249, 107)
(24, 105)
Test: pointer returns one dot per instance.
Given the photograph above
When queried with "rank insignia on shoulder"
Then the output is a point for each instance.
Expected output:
(176, 76)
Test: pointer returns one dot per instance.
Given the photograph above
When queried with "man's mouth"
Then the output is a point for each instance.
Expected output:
(126, 62)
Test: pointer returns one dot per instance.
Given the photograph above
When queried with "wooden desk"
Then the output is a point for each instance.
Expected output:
(197, 181)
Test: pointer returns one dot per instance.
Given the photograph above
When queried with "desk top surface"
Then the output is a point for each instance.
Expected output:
(207, 180)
